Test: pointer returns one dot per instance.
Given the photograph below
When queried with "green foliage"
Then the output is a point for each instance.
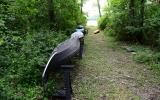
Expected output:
(26, 43)
(22, 67)
(114, 18)
(152, 24)
(144, 56)
(102, 22)
(149, 57)
(124, 20)
(68, 10)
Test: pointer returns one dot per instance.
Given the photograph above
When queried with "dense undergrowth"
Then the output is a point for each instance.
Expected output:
(28, 35)
(148, 56)
(136, 22)
(21, 70)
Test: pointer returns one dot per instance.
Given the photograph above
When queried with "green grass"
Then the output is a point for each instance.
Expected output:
(108, 72)
(144, 54)
(147, 56)
(95, 77)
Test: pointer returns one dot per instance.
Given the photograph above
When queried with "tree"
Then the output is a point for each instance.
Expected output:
(99, 8)
(26, 42)
(142, 12)
(50, 13)
(131, 11)
(81, 6)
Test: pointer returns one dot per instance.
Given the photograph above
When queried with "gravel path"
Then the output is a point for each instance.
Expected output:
(107, 72)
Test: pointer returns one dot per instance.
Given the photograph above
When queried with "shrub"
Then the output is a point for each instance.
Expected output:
(22, 74)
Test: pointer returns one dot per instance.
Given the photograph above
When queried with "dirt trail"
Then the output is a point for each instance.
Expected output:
(107, 72)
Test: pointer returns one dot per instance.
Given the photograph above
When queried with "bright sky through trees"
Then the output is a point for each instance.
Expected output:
(91, 9)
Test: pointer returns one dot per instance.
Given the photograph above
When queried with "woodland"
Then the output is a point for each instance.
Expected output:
(136, 22)
(30, 29)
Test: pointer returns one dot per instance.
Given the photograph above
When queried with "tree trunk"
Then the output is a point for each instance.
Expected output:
(81, 6)
(50, 13)
(99, 8)
(142, 13)
(141, 36)
(131, 12)
(156, 1)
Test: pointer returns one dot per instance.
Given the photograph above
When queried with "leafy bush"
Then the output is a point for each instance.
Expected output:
(149, 57)
(102, 22)
(152, 24)
(22, 67)
(126, 21)
(26, 42)
(144, 56)
(135, 21)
